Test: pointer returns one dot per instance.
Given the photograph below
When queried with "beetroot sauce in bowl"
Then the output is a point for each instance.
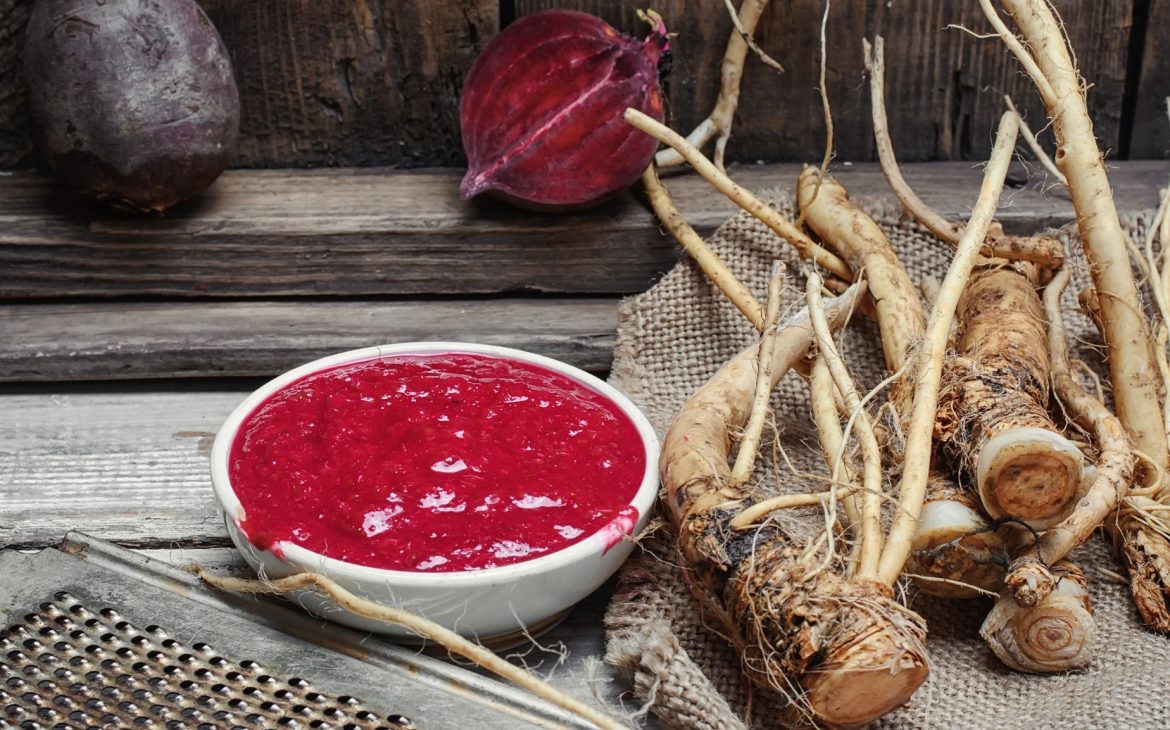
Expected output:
(440, 463)
(485, 488)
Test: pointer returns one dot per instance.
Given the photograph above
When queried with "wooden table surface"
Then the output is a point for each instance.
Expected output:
(125, 342)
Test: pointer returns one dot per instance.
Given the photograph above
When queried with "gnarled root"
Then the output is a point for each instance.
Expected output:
(853, 651)
(1056, 634)
(1146, 554)
(994, 418)
(826, 207)
(1043, 51)
(718, 122)
(800, 629)
(1029, 580)
(956, 552)
(1140, 535)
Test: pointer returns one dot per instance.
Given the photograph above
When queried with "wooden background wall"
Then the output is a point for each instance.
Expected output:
(376, 82)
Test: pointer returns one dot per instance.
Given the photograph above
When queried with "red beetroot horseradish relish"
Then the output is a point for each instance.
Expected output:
(446, 462)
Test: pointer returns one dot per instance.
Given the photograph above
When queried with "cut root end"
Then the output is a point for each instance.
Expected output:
(875, 673)
(956, 552)
(1030, 474)
(1057, 634)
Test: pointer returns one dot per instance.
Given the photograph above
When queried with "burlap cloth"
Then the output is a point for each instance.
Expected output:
(675, 336)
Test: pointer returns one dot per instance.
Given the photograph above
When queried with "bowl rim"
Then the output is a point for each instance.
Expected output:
(293, 554)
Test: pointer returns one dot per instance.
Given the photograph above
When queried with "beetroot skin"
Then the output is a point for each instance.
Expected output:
(134, 101)
(542, 108)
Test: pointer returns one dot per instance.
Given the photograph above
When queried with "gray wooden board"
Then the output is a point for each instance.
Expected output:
(98, 341)
(384, 232)
(130, 467)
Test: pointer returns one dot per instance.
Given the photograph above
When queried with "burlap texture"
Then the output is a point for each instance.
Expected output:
(671, 339)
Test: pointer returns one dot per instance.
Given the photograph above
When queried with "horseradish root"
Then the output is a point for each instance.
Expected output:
(1057, 634)
(718, 122)
(851, 649)
(827, 210)
(870, 516)
(993, 411)
(746, 458)
(1139, 529)
(1041, 250)
(698, 250)
(1139, 533)
(780, 225)
(1132, 365)
(943, 553)
(956, 552)
(929, 358)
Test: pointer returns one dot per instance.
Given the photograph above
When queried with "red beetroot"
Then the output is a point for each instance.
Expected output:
(542, 108)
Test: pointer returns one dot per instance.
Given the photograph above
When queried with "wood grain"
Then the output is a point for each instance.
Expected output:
(370, 231)
(351, 82)
(1151, 127)
(213, 339)
(129, 466)
(945, 86)
(366, 82)
(16, 148)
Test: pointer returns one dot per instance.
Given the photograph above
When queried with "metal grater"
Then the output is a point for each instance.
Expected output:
(100, 637)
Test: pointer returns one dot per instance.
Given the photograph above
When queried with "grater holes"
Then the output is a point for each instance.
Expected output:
(93, 667)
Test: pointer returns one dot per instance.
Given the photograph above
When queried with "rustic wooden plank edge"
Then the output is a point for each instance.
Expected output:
(372, 232)
(104, 341)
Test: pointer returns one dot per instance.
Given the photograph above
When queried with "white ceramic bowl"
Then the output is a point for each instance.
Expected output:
(492, 604)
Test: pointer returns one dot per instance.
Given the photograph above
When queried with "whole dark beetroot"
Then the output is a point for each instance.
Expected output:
(133, 101)
(542, 108)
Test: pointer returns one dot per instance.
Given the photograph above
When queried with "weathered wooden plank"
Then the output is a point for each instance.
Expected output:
(1150, 136)
(129, 466)
(16, 147)
(161, 340)
(362, 82)
(352, 82)
(380, 232)
(945, 87)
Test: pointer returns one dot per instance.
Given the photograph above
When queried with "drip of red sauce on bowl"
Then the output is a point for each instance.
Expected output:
(435, 463)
